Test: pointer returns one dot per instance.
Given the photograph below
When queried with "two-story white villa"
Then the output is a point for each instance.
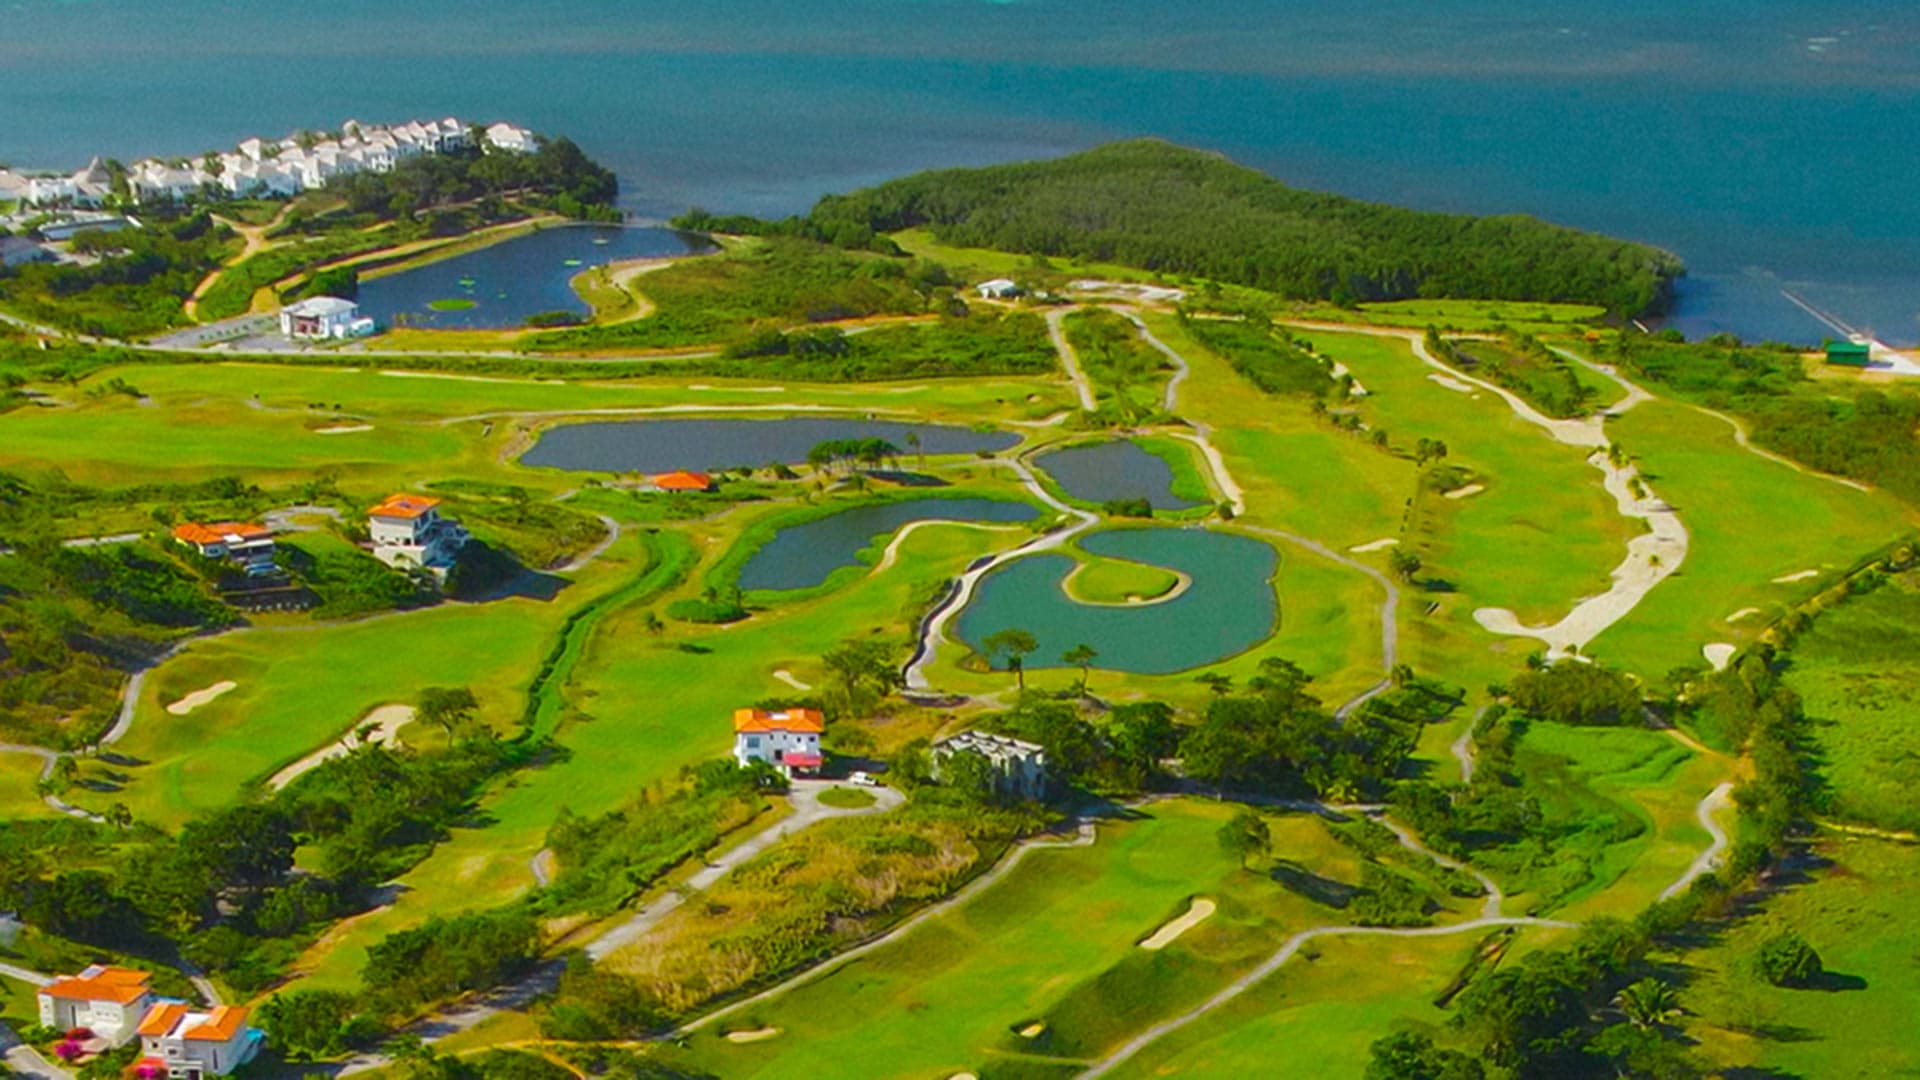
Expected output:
(408, 531)
(789, 741)
(108, 1001)
(190, 1044)
(1019, 767)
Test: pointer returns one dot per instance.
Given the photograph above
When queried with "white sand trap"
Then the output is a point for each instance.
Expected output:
(200, 697)
(1718, 654)
(754, 1036)
(1463, 492)
(387, 721)
(786, 676)
(1166, 935)
(1033, 1031)
(1450, 382)
(963, 1076)
(344, 429)
(1375, 545)
(1743, 613)
(1802, 575)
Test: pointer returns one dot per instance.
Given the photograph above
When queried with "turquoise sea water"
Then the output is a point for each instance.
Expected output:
(1772, 145)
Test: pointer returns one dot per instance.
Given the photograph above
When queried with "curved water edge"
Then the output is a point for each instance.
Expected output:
(654, 446)
(1111, 470)
(1229, 608)
(498, 286)
(806, 554)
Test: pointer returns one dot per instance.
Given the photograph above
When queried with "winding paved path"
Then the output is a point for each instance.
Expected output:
(1709, 860)
(1069, 359)
(1389, 612)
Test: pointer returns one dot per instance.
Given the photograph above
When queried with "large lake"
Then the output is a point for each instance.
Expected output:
(1229, 609)
(1770, 145)
(508, 281)
(653, 446)
(802, 556)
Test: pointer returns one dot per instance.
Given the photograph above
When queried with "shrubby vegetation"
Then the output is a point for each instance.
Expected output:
(135, 288)
(1126, 369)
(1165, 208)
(1520, 363)
(959, 345)
(1264, 355)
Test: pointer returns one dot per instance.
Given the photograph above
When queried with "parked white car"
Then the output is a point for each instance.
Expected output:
(864, 779)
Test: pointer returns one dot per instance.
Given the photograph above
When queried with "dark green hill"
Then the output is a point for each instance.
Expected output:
(1161, 207)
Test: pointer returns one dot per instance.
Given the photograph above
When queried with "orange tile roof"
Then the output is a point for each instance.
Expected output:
(405, 506)
(220, 1025)
(683, 480)
(756, 721)
(118, 985)
(160, 1019)
(194, 532)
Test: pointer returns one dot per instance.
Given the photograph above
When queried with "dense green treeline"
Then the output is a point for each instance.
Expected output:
(135, 285)
(1165, 208)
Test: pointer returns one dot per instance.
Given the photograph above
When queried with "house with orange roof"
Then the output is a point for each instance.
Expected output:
(682, 480)
(177, 1040)
(108, 1001)
(245, 544)
(408, 531)
(788, 740)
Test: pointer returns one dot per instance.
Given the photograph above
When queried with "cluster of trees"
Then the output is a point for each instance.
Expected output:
(1264, 355)
(1520, 363)
(1160, 207)
(1118, 362)
(1577, 693)
(557, 175)
(845, 453)
(136, 286)
(986, 343)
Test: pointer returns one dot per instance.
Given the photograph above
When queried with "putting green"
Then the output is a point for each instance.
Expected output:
(1119, 581)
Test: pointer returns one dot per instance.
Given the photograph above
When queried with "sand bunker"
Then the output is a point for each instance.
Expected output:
(1033, 1031)
(754, 1036)
(786, 676)
(1166, 935)
(200, 697)
(387, 720)
(1718, 654)
(1376, 545)
(1463, 492)
(1788, 579)
(963, 1076)
(344, 429)
(1451, 383)
(1743, 613)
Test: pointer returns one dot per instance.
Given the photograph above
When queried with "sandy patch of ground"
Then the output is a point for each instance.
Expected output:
(754, 1036)
(963, 1076)
(1166, 935)
(387, 720)
(200, 697)
(1463, 492)
(1376, 545)
(1718, 654)
(1033, 1031)
(1801, 575)
(786, 676)
(1450, 382)
(1742, 613)
(346, 429)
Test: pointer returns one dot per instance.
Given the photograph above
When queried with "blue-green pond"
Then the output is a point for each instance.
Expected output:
(803, 556)
(1116, 469)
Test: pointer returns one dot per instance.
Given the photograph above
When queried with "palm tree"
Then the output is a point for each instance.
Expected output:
(1080, 656)
(1649, 1003)
(1016, 644)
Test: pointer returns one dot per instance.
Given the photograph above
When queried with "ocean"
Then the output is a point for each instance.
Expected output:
(1773, 149)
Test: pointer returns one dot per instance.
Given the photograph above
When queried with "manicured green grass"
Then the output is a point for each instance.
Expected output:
(1749, 520)
(847, 798)
(1858, 914)
(1053, 943)
(452, 303)
(19, 795)
(1857, 672)
(1117, 581)
(1189, 475)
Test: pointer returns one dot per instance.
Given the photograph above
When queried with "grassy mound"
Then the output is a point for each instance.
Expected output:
(1117, 581)
(452, 303)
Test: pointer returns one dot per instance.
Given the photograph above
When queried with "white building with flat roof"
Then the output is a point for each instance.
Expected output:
(324, 318)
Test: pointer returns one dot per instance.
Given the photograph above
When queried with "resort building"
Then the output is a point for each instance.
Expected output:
(998, 289)
(247, 545)
(408, 531)
(1020, 767)
(324, 318)
(108, 1001)
(179, 1041)
(1849, 353)
(789, 740)
(682, 480)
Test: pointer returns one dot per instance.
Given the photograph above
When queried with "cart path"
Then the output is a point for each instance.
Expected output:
(1709, 860)
(1069, 359)
(581, 561)
(1389, 611)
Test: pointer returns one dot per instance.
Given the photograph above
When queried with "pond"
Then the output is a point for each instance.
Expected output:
(802, 556)
(1229, 609)
(653, 446)
(500, 285)
(1116, 469)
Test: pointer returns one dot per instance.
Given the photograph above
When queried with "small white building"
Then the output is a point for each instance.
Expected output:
(408, 531)
(1021, 767)
(789, 740)
(324, 318)
(108, 1001)
(248, 546)
(999, 289)
(190, 1044)
(506, 136)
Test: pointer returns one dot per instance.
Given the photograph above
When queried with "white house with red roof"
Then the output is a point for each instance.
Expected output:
(408, 531)
(246, 544)
(177, 1040)
(788, 740)
(108, 1001)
